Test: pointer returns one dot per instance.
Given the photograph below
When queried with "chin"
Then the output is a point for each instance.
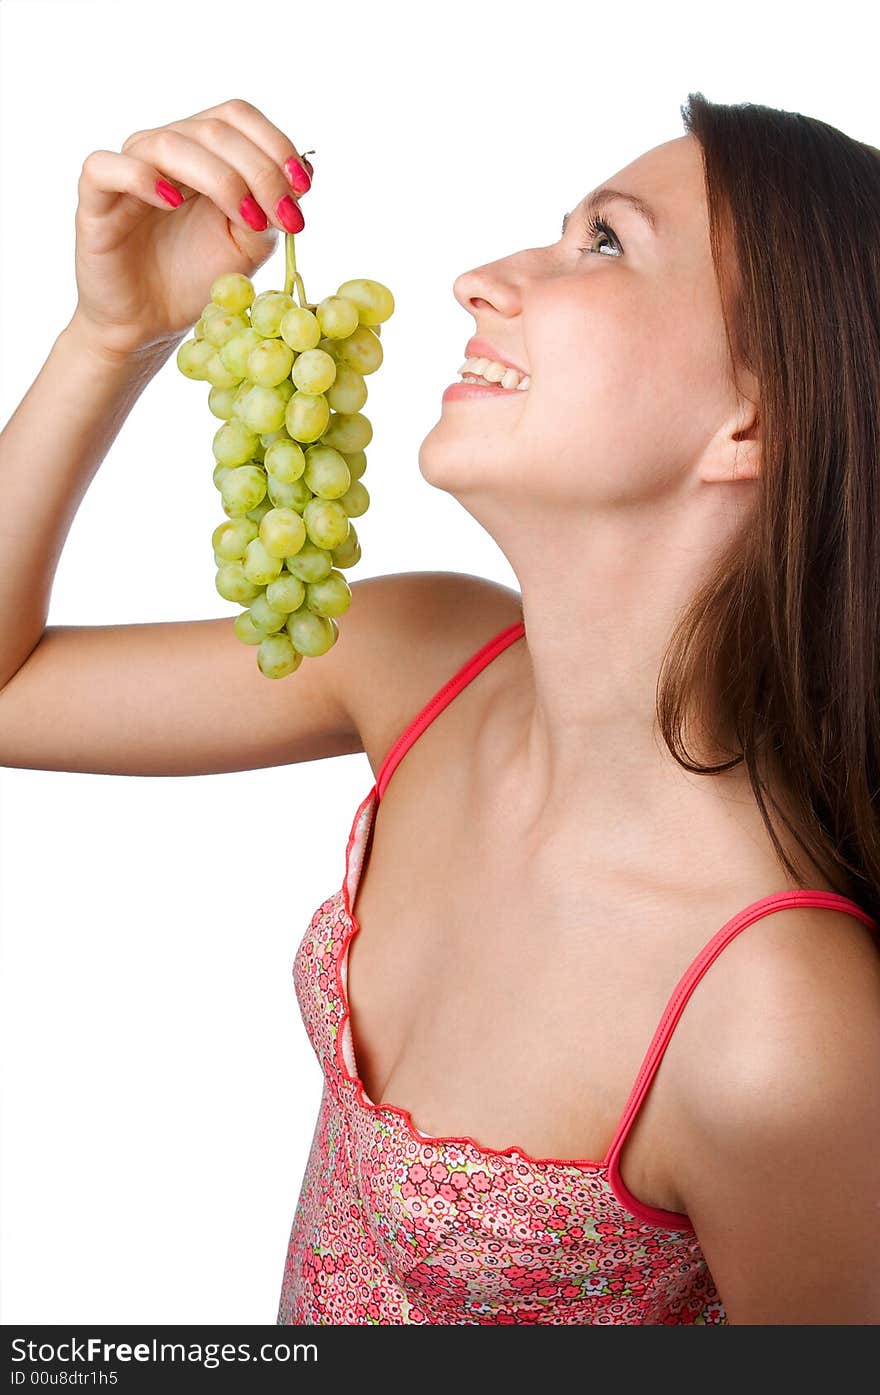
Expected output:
(441, 460)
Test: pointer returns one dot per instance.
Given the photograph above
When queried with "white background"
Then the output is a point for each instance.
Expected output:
(159, 1089)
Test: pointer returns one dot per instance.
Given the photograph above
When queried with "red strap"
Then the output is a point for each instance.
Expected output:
(440, 699)
(780, 900)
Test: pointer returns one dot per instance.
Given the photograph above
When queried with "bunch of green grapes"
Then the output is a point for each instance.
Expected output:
(287, 381)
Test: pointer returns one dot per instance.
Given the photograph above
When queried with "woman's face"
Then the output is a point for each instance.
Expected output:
(622, 336)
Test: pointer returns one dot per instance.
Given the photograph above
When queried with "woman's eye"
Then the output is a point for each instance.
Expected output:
(596, 227)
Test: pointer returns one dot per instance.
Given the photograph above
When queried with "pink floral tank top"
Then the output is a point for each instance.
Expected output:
(397, 1226)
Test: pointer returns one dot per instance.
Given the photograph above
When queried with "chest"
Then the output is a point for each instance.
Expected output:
(508, 997)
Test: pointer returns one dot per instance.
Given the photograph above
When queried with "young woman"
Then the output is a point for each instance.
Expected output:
(598, 1004)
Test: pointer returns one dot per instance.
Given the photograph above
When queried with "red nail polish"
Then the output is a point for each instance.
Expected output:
(299, 178)
(287, 212)
(169, 193)
(253, 214)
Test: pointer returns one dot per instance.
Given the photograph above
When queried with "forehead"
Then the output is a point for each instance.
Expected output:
(670, 178)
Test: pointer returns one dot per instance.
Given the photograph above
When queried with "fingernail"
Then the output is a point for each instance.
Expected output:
(253, 214)
(169, 193)
(287, 213)
(300, 181)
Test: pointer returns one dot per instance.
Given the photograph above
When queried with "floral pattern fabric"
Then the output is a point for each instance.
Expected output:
(395, 1226)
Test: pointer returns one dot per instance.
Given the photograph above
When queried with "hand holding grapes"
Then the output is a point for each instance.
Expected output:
(144, 269)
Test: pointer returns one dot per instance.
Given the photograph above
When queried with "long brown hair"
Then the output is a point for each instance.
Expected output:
(785, 634)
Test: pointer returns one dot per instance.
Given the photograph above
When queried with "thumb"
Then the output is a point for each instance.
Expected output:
(255, 247)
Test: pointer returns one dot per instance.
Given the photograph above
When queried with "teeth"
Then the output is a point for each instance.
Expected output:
(492, 372)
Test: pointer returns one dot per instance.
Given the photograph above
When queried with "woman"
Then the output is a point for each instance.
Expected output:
(625, 891)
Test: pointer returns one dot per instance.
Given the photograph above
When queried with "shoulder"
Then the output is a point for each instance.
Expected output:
(794, 998)
(779, 1167)
(417, 630)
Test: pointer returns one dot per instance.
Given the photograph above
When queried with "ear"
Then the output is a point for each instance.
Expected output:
(736, 450)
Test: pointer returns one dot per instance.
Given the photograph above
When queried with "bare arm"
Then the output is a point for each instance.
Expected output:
(780, 1169)
(50, 450)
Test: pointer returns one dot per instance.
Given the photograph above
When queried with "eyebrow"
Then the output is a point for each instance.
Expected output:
(607, 195)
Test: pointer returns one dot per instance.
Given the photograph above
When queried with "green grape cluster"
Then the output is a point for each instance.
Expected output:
(287, 381)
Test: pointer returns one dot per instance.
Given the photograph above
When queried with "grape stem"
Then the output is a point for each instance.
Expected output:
(291, 275)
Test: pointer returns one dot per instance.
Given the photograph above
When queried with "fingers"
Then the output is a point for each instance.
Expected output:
(106, 174)
(231, 153)
(275, 189)
(252, 123)
(166, 154)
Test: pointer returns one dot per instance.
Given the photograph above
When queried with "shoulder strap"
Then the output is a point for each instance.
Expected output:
(778, 901)
(441, 699)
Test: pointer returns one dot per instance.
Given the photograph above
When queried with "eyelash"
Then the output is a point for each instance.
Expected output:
(596, 224)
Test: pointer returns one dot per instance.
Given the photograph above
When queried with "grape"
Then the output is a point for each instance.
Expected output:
(287, 383)
(231, 537)
(361, 350)
(326, 472)
(260, 566)
(268, 438)
(282, 532)
(219, 329)
(236, 351)
(306, 416)
(263, 409)
(348, 431)
(311, 634)
(242, 489)
(258, 514)
(277, 657)
(355, 500)
(310, 563)
(330, 596)
(234, 444)
(193, 357)
(356, 460)
(209, 310)
(269, 362)
(314, 371)
(348, 553)
(374, 301)
(234, 292)
(233, 585)
(337, 317)
(241, 393)
(264, 616)
(286, 593)
(220, 401)
(285, 460)
(246, 630)
(268, 310)
(216, 373)
(289, 496)
(300, 329)
(348, 391)
(326, 522)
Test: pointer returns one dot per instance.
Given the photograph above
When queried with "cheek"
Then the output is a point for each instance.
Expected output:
(621, 380)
